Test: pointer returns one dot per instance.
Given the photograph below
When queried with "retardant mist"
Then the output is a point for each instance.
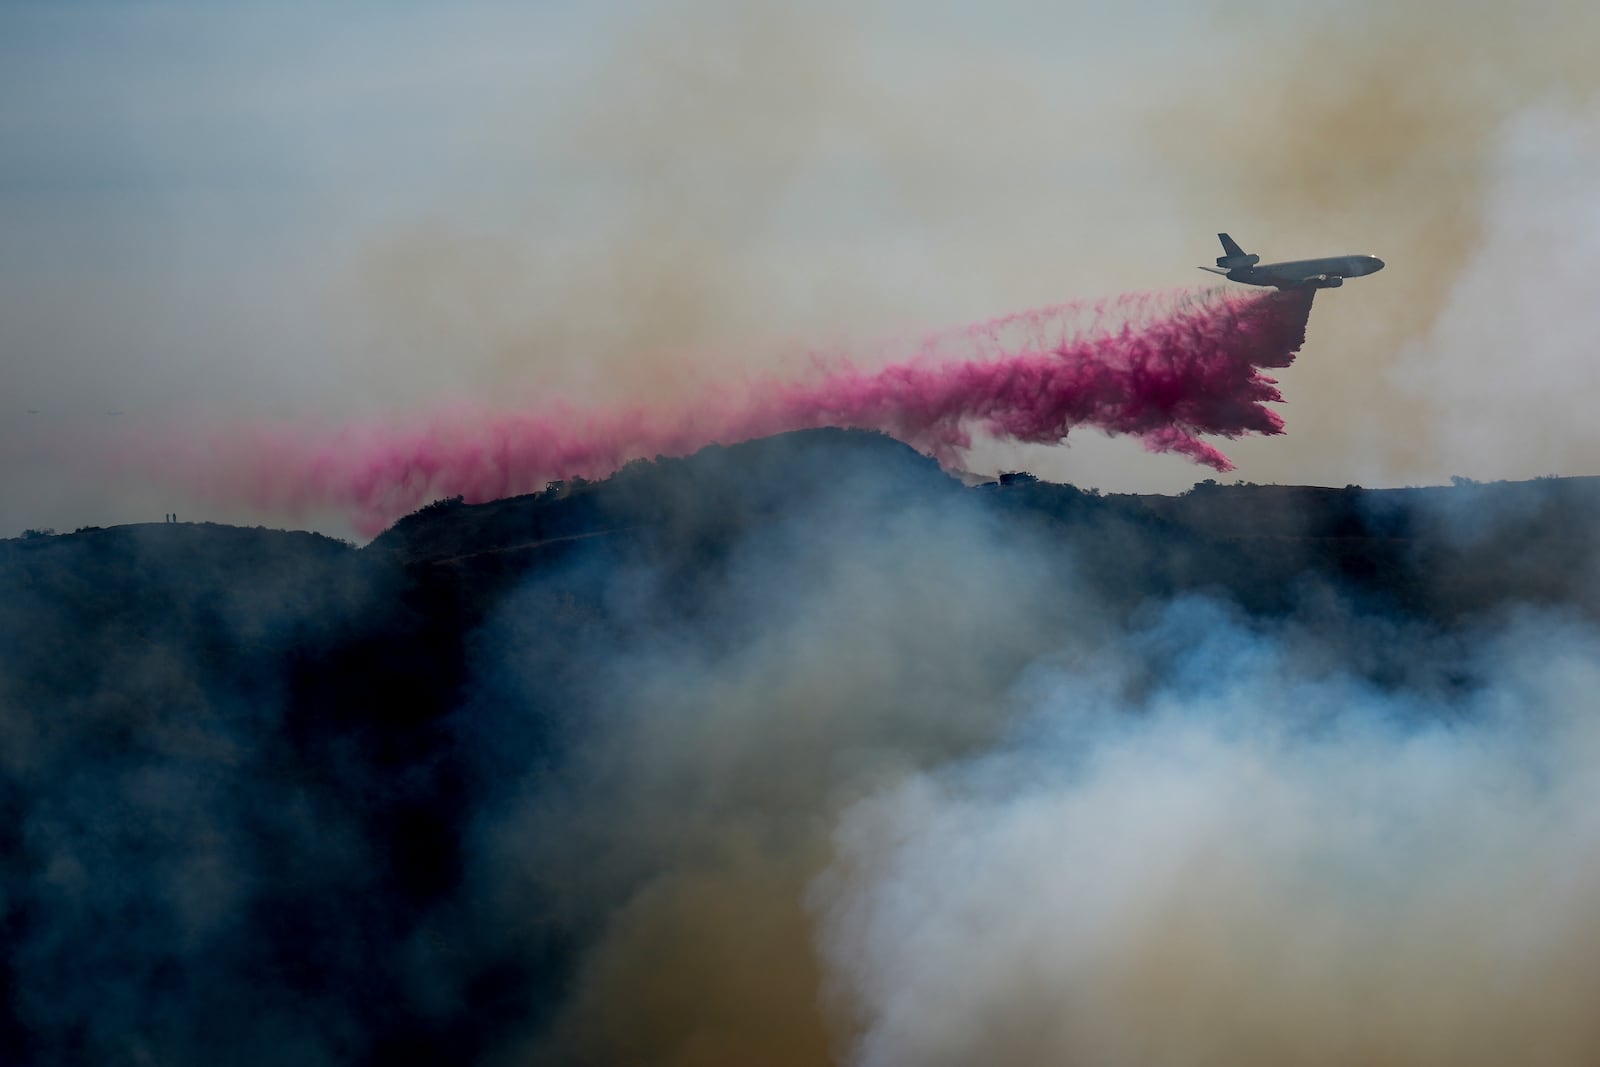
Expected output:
(1164, 368)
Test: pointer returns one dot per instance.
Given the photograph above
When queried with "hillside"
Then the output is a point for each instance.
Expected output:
(270, 797)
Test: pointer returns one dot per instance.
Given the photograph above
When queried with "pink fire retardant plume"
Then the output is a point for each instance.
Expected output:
(1165, 368)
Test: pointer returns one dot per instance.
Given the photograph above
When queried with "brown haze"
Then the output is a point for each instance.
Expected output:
(1370, 128)
(634, 203)
(1308, 131)
(689, 135)
(735, 185)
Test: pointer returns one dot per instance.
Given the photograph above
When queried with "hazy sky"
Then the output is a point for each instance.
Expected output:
(213, 214)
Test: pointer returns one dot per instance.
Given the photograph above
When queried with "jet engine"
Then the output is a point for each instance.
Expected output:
(1249, 259)
(1330, 281)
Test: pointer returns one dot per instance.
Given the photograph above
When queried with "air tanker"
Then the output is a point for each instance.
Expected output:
(1329, 272)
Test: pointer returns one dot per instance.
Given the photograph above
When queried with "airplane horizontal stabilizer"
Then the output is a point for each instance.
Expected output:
(1234, 255)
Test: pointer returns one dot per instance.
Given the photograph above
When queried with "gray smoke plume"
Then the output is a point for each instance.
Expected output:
(1214, 845)
(912, 789)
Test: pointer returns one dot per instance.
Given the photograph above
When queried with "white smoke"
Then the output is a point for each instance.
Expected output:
(1252, 859)
(1508, 375)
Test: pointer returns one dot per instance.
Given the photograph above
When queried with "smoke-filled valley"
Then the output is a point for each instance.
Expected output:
(800, 751)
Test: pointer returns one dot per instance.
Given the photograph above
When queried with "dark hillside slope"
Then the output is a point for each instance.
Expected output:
(246, 776)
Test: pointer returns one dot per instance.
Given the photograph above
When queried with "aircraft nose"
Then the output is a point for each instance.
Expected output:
(1377, 264)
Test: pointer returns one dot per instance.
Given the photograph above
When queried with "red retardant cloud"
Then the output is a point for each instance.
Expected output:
(1166, 368)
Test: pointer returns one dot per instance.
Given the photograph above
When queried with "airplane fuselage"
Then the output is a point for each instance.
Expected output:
(1324, 273)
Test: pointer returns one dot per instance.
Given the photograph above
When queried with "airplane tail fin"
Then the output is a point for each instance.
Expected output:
(1234, 255)
(1216, 270)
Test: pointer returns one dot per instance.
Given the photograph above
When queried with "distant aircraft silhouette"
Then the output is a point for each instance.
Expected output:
(1329, 272)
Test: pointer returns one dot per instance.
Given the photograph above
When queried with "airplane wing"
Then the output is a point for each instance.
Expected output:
(1310, 281)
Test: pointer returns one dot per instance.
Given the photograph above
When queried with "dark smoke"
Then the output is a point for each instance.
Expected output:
(800, 752)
